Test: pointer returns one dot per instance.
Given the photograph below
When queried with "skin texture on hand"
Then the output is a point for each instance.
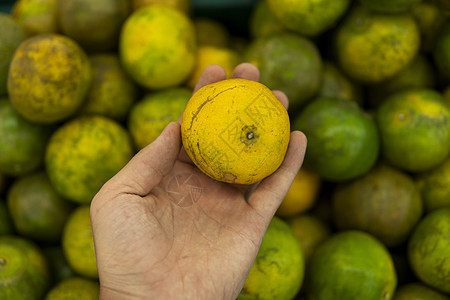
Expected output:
(164, 230)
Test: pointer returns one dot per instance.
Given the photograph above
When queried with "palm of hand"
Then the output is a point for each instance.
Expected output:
(214, 229)
(164, 230)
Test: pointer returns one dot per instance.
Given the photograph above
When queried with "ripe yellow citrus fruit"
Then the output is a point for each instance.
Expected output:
(24, 272)
(85, 153)
(37, 16)
(150, 116)
(78, 243)
(13, 34)
(227, 58)
(95, 25)
(385, 202)
(278, 270)
(74, 288)
(351, 265)
(22, 143)
(112, 92)
(428, 249)
(235, 130)
(301, 195)
(49, 77)
(158, 46)
(434, 186)
(288, 62)
(343, 140)
(414, 128)
(308, 17)
(37, 210)
(371, 47)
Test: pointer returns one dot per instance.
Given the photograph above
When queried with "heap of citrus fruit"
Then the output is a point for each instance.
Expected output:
(86, 84)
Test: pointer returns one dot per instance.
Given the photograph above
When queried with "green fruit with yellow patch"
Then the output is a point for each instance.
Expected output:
(85, 153)
(158, 46)
(49, 77)
(287, 62)
(22, 143)
(150, 115)
(13, 34)
(24, 272)
(428, 249)
(371, 47)
(385, 202)
(37, 210)
(95, 25)
(351, 265)
(112, 92)
(278, 270)
(78, 243)
(343, 140)
(414, 128)
(76, 287)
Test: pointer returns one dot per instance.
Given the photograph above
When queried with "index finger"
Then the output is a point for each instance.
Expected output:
(246, 71)
(211, 74)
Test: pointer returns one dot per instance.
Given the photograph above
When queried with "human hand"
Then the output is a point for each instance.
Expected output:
(164, 230)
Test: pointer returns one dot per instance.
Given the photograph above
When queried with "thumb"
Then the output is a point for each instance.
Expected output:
(146, 169)
(269, 194)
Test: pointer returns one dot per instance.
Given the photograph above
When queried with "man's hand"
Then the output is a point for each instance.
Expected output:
(164, 230)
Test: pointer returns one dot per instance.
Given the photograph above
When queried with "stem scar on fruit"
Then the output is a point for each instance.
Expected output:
(249, 135)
